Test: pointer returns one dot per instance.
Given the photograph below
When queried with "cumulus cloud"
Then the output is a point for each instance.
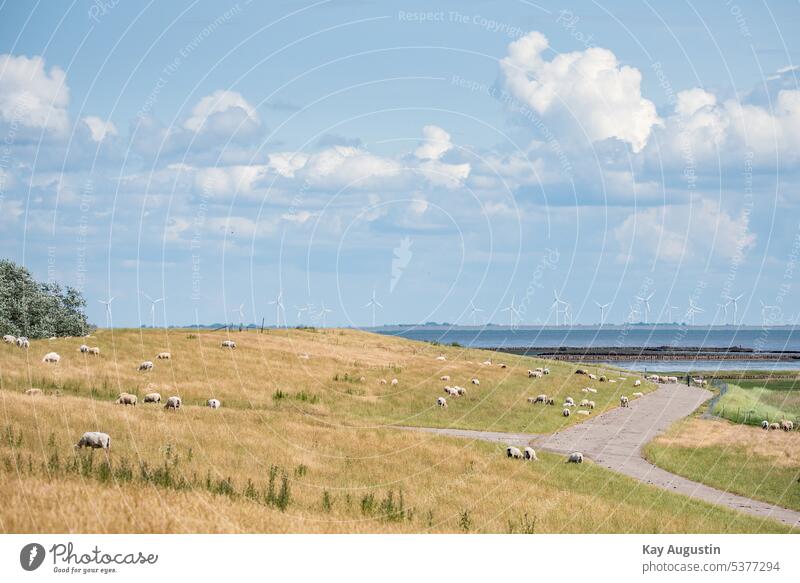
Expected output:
(588, 86)
(436, 142)
(223, 112)
(32, 96)
(345, 165)
(683, 232)
(287, 163)
(228, 180)
(99, 129)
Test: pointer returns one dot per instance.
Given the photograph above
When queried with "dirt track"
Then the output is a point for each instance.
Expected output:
(615, 439)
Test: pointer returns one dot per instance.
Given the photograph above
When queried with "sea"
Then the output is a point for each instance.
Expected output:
(771, 339)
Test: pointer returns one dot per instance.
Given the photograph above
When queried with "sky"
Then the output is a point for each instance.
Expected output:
(448, 159)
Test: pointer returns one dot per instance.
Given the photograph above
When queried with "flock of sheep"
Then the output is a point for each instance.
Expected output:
(98, 439)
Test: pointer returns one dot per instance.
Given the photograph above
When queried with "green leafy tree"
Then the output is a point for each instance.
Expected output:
(38, 310)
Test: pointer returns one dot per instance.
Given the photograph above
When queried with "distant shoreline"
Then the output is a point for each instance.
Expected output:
(611, 354)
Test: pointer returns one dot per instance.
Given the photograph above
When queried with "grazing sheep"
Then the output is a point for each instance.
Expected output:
(765, 424)
(530, 454)
(382, 382)
(502, 365)
(570, 400)
(546, 370)
(228, 344)
(567, 404)
(586, 390)
(593, 376)
(535, 374)
(146, 365)
(444, 378)
(638, 394)
(126, 399)
(565, 412)
(163, 356)
(514, 452)
(34, 392)
(584, 403)
(461, 391)
(583, 412)
(590, 405)
(213, 403)
(540, 398)
(603, 378)
(83, 348)
(476, 382)
(774, 426)
(395, 382)
(95, 440)
(580, 371)
(787, 425)
(550, 401)
(591, 390)
(441, 357)
(51, 357)
(9, 339)
(94, 351)
(637, 383)
(487, 363)
(575, 457)
(441, 401)
(451, 391)
(672, 380)
(23, 342)
(623, 401)
(152, 398)
(173, 403)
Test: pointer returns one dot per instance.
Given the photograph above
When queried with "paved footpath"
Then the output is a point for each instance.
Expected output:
(614, 440)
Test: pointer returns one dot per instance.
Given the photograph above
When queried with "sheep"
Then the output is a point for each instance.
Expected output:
(545, 370)
(540, 398)
(591, 390)
(535, 374)
(487, 363)
(213, 403)
(382, 382)
(228, 344)
(787, 425)
(442, 402)
(34, 392)
(672, 380)
(774, 426)
(612, 381)
(441, 357)
(173, 403)
(476, 382)
(95, 440)
(51, 357)
(565, 412)
(570, 400)
(529, 454)
(461, 391)
(637, 383)
(584, 403)
(83, 348)
(765, 424)
(567, 404)
(513, 452)
(304, 356)
(163, 356)
(444, 378)
(502, 365)
(146, 365)
(126, 399)
(94, 351)
(23, 342)
(575, 457)
(590, 404)
(603, 378)
(581, 371)
(586, 390)
(451, 391)
(362, 379)
(638, 394)
(550, 401)
(623, 401)
(593, 376)
(9, 339)
(152, 398)
(395, 382)
(584, 412)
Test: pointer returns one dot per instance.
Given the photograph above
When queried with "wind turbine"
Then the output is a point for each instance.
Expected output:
(633, 311)
(301, 310)
(107, 304)
(646, 300)
(323, 312)
(693, 309)
(240, 311)
(512, 310)
(559, 302)
(735, 302)
(670, 308)
(153, 308)
(474, 313)
(764, 309)
(373, 303)
(724, 307)
(278, 303)
(602, 311)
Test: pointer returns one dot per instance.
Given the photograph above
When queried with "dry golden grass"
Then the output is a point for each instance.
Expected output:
(334, 470)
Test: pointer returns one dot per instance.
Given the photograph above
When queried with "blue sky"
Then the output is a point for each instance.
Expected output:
(442, 154)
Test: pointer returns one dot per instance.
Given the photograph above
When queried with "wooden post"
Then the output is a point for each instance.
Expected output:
(262, 324)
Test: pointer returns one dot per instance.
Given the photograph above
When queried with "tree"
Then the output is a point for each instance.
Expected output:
(38, 310)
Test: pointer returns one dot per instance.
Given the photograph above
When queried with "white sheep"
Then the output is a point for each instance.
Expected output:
(584, 412)
(95, 440)
(590, 405)
(395, 382)
(502, 365)
(441, 401)
(441, 357)
(461, 391)
(173, 403)
(83, 348)
(584, 403)
(539, 399)
(513, 452)
(565, 412)
(214, 403)
(444, 378)
(593, 376)
(475, 382)
(637, 383)
(591, 390)
(586, 390)
(51, 357)
(672, 380)
(570, 400)
(304, 356)
(126, 399)
(638, 394)
(152, 398)
(774, 426)
(530, 454)
(9, 339)
(146, 365)
(535, 374)
(163, 356)
(453, 392)
(94, 351)
(228, 344)
(546, 370)
(575, 457)
(623, 401)
(34, 392)
(382, 382)
(765, 424)
(487, 363)
(787, 425)
(23, 342)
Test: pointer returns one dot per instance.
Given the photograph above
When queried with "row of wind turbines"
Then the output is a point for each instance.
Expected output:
(560, 308)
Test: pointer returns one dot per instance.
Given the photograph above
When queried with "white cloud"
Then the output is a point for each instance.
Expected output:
(32, 96)
(99, 129)
(299, 217)
(228, 180)
(346, 165)
(436, 143)
(589, 86)
(287, 163)
(443, 174)
(223, 112)
(684, 232)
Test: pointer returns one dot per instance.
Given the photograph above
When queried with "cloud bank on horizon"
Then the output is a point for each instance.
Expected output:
(498, 166)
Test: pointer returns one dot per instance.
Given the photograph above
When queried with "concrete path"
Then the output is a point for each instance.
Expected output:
(615, 439)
